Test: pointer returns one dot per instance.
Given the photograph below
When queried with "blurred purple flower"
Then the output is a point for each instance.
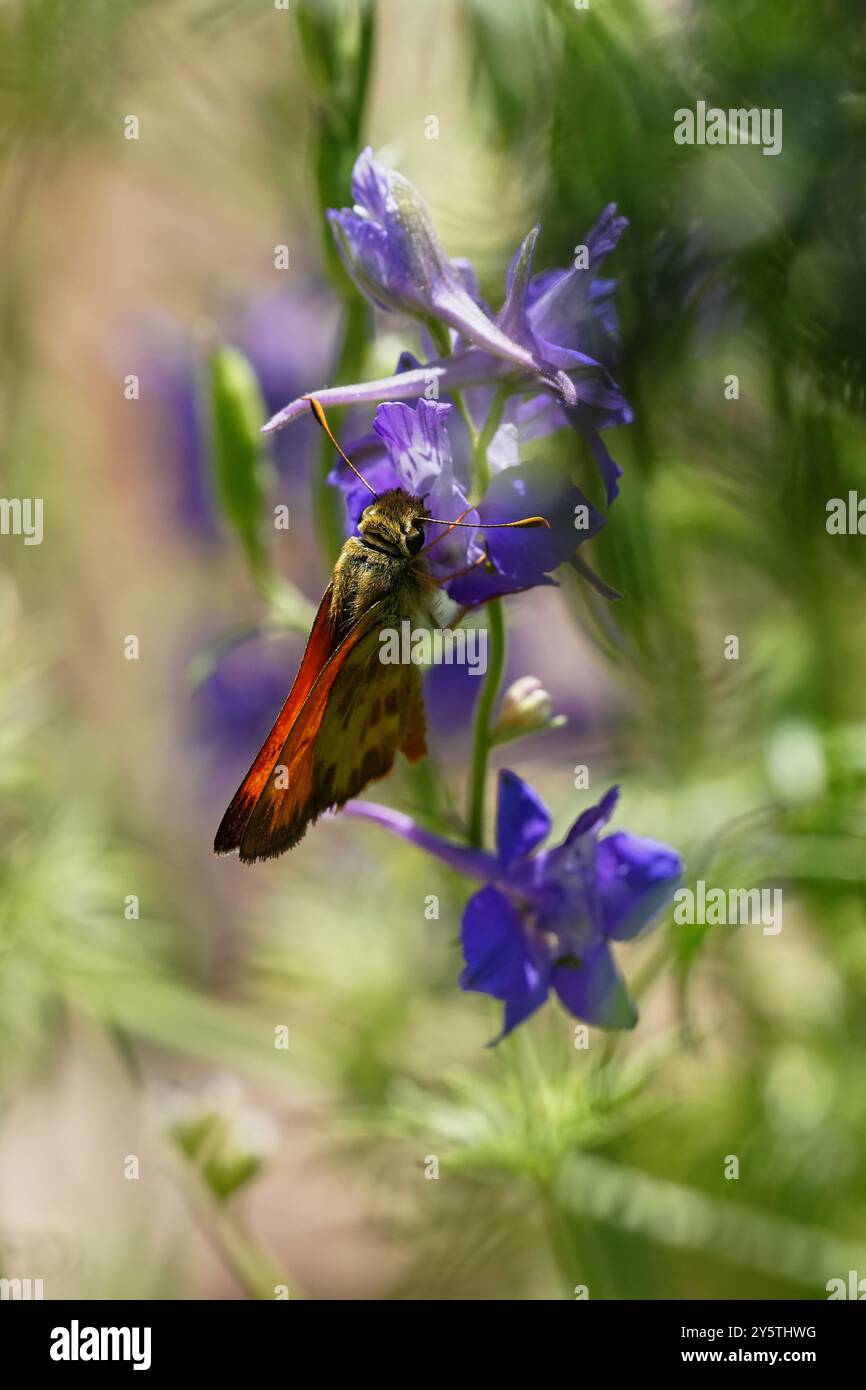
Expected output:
(450, 692)
(234, 706)
(417, 457)
(176, 428)
(544, 921)
(288, 337)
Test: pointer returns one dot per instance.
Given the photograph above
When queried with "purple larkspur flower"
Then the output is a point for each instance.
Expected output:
(545, 919)
(549, 347)
(568, 317)
(390, 248)
(414, 453)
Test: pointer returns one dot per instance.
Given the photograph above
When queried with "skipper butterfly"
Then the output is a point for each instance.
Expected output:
(348, 713)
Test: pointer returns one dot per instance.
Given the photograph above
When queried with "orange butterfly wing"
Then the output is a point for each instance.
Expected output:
(320, 645)
(357, 715)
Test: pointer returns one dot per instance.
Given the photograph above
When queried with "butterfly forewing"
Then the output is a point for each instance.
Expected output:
(357, 716)
(321, 644)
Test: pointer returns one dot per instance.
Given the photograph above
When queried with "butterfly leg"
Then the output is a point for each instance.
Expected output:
(459, 616)
(467, 569)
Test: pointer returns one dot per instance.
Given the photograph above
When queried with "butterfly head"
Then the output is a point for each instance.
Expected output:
(394, 523)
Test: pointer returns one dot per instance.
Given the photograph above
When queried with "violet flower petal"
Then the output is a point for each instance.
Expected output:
(636, 877)
(475, 862)
(592, 989)
(496, 948)
(522, 819)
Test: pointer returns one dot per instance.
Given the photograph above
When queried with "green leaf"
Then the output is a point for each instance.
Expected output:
(242, 470)
(176, 1017)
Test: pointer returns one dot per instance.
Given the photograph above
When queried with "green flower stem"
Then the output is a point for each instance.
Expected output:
(254, 1268)
(482, 442)
(576, 1249)
(575, 1241)
(496, 644)
(442, 342)
(559, 1237)
(441, 337)
(496, 650)
(467, 419)
(427, 796)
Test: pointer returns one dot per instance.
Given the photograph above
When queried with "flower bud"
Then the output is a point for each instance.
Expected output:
(526, 708)
(226, 1140)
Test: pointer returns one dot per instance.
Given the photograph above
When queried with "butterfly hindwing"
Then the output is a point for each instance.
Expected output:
(357, 715)
(374, 710)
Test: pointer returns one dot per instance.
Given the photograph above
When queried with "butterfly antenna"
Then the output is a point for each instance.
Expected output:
(323, 421)
(449, 525)
(490, 525)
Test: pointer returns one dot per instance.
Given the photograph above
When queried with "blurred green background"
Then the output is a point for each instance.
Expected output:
(154, 1141)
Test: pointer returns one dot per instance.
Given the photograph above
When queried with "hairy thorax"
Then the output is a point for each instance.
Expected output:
(363, 576)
